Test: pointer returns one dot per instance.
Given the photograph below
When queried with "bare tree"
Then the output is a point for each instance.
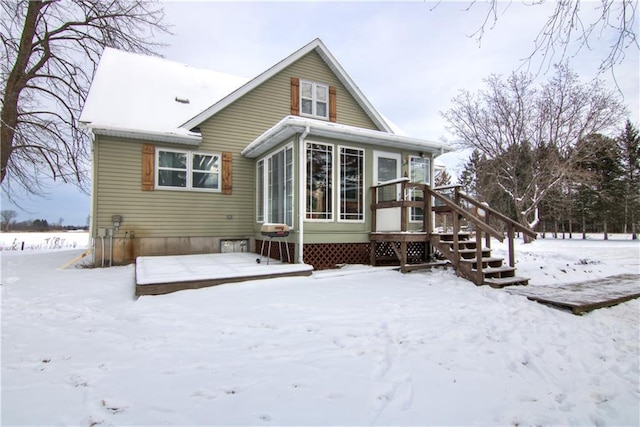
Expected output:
(530, 134)
(568, 30)
(50, 50)
(7, 218)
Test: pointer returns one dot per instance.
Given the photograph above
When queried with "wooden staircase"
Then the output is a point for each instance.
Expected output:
(469, 254)
(492, 270)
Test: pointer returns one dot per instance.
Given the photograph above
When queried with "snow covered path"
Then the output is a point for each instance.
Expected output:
(367, 348)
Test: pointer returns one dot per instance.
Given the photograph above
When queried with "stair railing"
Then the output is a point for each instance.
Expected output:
(489, 213)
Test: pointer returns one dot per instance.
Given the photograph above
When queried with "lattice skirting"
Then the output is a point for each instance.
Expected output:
(385, 255)
(328, 255)
(322, 256)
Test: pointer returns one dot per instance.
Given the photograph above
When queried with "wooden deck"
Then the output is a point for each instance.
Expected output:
(586, 296)
(157, 275)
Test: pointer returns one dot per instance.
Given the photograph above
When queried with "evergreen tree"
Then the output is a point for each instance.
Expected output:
(629, 148)
(602, 190)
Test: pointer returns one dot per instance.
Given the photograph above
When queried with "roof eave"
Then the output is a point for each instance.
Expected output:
(291, 125)
(167, 137)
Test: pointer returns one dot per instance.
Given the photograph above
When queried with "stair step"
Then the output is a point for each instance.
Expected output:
(472, 251)
(411, 267)
(500, 282)
(484, 260)
(448, 237)
(497, 270)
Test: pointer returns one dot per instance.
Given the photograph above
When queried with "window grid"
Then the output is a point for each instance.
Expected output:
(420, 173)
(351, 184)
(314, 99)
(187, 170)
(275, 178)
(319, 181)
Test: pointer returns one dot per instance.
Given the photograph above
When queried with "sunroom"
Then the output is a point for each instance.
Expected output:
(314, 176)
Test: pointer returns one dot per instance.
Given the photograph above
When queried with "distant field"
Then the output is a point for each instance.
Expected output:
(44, 241)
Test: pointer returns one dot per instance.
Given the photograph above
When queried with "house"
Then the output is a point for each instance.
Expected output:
(190, 161)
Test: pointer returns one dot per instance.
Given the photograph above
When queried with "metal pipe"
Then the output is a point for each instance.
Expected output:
(110, 247)
(301, 188)
(102, 251)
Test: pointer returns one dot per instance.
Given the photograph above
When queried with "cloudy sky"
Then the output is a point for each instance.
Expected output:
(408, 58)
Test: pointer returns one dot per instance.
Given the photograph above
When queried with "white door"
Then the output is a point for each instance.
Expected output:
(387, 167)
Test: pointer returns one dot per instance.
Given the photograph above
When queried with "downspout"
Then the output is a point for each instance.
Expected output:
(301, 187)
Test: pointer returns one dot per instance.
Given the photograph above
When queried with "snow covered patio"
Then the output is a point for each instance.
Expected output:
(164, 274)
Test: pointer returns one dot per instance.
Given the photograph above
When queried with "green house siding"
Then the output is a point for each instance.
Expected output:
(165, 213)
(170, 222)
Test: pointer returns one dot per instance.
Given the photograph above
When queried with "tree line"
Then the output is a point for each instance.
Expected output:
(8, 223)
(549, 151)
(600, 195)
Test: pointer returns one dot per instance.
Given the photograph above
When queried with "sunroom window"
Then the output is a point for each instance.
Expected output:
(420, 173)
(319, 181)
(187, 170)
(275, 187)
(314, 99)
(351, 184)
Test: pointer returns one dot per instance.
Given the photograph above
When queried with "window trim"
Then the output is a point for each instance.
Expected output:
(411, 210)
(314, 101)
(265, 181)
(306, 186)
(189, 171)
(364, 177)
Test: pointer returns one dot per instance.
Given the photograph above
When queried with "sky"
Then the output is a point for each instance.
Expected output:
(409, 59)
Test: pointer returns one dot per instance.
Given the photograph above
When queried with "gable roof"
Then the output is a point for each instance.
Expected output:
(147, 97)
(331, 62)
(151, 98)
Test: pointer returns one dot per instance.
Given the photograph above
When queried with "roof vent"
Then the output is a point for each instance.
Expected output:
(182, 100)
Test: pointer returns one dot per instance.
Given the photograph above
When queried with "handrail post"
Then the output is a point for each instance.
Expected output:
(480, 276)
(456, 238)
(403, 208)
(374, 210)
(427, 220)
(512, 257)
(487, 237)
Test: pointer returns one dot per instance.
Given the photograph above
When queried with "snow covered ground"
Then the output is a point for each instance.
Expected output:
(358, 346)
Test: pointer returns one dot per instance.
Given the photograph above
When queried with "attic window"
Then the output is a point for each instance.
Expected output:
(314, 99)
(182, 100)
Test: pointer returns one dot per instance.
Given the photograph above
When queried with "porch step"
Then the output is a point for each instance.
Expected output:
(501, 282)
(471, 253)
(422, 266)
(498, 272)
(448, 237)
(486, 261)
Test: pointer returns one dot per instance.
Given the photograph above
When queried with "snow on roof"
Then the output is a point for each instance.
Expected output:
(151, 95)
(291, 125)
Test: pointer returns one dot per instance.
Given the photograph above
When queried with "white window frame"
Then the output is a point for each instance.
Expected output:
(314, 99)
(260, 190)
(264, 181)
(340, 185)
(308, 212)
(189, 171)
(427, 161)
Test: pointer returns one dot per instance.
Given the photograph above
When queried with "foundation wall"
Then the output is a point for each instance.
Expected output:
(125, 250)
